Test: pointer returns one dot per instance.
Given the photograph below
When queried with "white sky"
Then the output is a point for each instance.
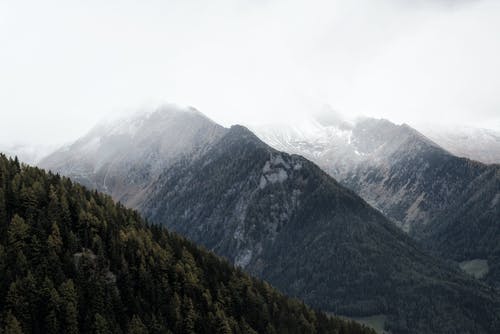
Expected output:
(65, 64)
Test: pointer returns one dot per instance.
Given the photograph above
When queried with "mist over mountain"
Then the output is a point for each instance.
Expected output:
(122, 157)
(447, 202)
(473, 143)
(27, 153)
(282, 218)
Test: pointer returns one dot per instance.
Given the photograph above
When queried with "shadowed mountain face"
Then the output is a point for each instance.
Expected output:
(450, 204)
(282, 218)
(123, 157)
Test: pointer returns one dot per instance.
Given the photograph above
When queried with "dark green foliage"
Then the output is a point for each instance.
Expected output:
(12, 325)
(73, 261)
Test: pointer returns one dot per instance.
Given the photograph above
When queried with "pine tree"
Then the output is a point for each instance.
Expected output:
(3, 212)
(100, 325)
(189, 320)
(18, 302)
(53, 210)
(29, 202)
(54, 241)
(69, 307)
(136, 326)
(12, 325)
(51, 319)
(223, 326)
(17, 233)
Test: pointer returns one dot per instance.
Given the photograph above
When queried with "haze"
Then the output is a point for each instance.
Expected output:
(64, 65)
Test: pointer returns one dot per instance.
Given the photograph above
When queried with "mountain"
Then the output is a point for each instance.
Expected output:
(382, 162)
(450, 204)
(122, 157)
(473, 143)
(73, 261)
(280, 217)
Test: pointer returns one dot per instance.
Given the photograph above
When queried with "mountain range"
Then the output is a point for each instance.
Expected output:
(282, 218)
(449, 204)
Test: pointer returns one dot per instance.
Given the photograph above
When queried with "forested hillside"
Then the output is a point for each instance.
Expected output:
(73, 261)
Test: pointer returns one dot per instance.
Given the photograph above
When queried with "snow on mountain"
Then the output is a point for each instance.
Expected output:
(121, 157)
(473, 143)
(393, 167)
(339, 147)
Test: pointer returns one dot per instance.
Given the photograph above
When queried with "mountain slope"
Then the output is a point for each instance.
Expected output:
(280, 217)
(449, 203)
(124, 156)
(73, 261)
(473, 143)
(469, 229)
(382, 162)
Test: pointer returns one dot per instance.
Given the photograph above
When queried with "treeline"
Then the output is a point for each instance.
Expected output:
(73, 261)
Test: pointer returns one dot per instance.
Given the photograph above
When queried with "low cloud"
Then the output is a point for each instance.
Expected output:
(64, 64)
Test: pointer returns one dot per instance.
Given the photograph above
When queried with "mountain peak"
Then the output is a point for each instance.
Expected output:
(121, 156)
(330, 117)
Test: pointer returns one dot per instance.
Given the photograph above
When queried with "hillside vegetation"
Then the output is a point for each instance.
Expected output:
(73, 261)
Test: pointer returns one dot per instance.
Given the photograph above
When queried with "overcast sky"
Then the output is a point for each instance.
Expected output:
(65, 64)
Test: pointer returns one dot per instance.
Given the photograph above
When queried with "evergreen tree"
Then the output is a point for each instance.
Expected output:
(69, 309)
(100, 325)
(55, 241)
(3, 212)
(51, 319)
(189, 322)
(12, 326)
(136, 326)
(17, 233)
